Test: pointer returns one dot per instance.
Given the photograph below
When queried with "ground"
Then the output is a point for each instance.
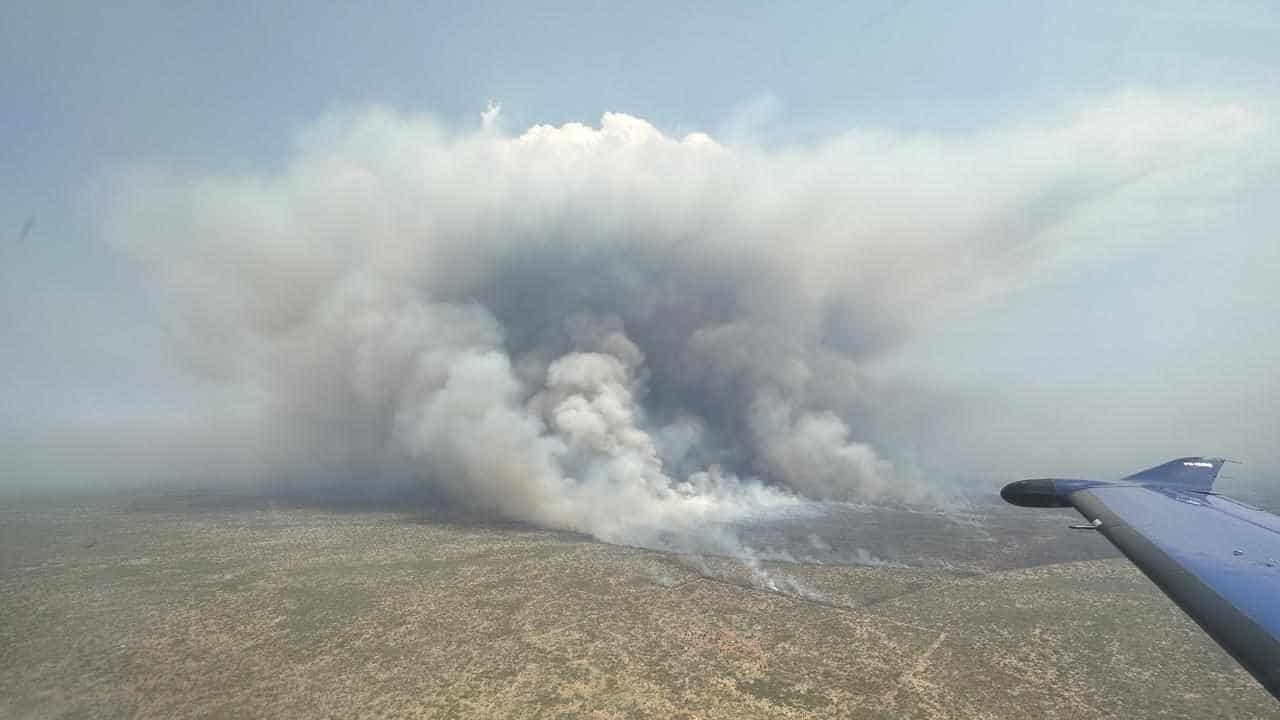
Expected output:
(171, 606)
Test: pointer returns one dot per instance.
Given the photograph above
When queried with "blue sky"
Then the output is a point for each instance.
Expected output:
(1174, 342)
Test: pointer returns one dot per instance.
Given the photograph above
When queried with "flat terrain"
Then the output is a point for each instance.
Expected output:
(162, 606)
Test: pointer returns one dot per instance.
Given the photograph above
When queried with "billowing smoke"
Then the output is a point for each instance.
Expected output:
(610, 329)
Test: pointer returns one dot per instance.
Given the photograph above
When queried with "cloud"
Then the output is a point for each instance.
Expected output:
(612, 330)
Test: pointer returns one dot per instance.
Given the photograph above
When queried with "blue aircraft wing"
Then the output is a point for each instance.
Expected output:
(1217, 558)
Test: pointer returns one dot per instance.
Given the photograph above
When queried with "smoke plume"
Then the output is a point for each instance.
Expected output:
(609, 329)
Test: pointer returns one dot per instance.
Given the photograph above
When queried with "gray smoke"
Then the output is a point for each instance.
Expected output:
(609, 329)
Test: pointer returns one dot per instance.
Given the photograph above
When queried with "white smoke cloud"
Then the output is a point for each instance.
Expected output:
(609, 329)
(489, 116)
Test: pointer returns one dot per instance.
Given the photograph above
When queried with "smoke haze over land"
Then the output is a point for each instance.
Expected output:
(924, 252)
(612, 329)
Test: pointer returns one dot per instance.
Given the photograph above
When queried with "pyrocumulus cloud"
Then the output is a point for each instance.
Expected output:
(609, 329)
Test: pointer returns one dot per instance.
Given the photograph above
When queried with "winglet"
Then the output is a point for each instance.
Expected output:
(1188, 473)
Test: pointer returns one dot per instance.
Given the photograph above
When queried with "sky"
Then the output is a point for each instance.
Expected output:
(1149, 332)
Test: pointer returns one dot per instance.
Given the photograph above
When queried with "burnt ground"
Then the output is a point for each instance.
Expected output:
(183, 606)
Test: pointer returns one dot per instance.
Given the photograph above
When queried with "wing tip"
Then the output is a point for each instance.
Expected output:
(1194, 472)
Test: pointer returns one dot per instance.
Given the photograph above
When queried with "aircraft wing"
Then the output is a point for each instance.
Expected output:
(1217, 558)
